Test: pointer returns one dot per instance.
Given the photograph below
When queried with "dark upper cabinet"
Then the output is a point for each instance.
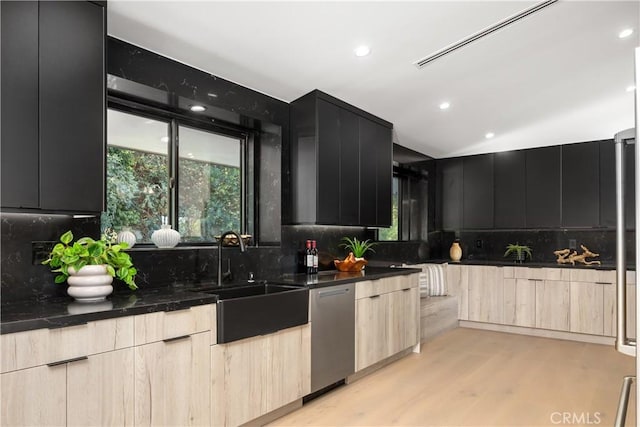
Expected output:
(449, 193)
(608, 184)
(477, 192)
(543, 185)
(581, 185)
(376, 171)
(328, 152)
(341, 164)
(349, 168)
(19, 85)
(509, 198)
(56, 56)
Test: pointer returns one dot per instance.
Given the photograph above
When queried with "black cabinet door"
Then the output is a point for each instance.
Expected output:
(543, 187)
(19, 85)
(630, 186)
(607, 183)
(449, 172)
(580, 185)
(384, 175)
(349, 187)
(328, 151)
(368, 166)
(477, 203)
(509, 198)
(72, 106)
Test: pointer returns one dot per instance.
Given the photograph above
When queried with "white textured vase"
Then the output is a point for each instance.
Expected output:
(90, 284)
(166, 237)
(126, 236)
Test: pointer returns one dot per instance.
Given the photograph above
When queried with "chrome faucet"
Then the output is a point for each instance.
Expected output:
(242, 249)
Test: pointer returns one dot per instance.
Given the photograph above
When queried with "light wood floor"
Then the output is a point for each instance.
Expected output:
(469, 377)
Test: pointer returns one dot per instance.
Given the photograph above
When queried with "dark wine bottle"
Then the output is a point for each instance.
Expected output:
(314, 254)
(308, 259)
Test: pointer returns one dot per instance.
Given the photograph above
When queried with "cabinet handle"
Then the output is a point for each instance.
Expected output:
(604, 283)
(62, 362)
(406, 289)
(374, 296)
(66, 326)
(536, 280)
(182, 337)
(332, 292)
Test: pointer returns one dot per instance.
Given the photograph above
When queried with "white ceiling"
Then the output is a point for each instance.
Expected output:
(555, 77)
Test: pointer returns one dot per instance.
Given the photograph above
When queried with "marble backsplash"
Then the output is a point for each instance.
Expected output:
(491, 244)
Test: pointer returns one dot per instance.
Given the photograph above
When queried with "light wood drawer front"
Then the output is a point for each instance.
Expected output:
(163, 325)
(384, 286)
(530, 273)
(44, 346)
(601, 276)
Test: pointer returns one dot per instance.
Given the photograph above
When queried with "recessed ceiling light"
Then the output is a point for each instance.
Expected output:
(625, 33)
(212, 95)
(164, 139)
(631, 88)
(362, 50)
(489, 135)
(197, 108)
(445, 105)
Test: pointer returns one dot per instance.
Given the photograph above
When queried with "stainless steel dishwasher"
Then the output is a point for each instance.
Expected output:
(332, 334)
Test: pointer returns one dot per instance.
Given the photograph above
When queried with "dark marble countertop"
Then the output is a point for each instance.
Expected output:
(64, 311)
(334, 277)
(530, 264)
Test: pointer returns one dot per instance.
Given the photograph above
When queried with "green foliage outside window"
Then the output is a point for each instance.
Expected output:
(138, 195)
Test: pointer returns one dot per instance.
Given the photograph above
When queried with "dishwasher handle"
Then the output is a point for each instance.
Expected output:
(333, 292)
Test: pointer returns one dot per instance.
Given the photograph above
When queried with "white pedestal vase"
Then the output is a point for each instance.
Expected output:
(90, 284)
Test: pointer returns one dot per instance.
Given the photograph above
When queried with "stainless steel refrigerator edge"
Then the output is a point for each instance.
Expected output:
(332, 334)
(624, 344)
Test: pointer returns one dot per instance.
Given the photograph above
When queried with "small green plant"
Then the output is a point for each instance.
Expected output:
(358, 247)
(86, 251)
(520, 251)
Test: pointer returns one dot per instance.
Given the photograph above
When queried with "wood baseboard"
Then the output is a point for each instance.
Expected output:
(381, 364)
(274, 415)
(544, 333)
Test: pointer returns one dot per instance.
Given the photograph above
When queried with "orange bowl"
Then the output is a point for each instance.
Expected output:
(350, 265)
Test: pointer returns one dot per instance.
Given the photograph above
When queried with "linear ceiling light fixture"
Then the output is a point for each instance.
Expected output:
(482, 33)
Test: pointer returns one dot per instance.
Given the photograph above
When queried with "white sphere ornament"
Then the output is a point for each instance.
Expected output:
(166, 237)
(126, 236)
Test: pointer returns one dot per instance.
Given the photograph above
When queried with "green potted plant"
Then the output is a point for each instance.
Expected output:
(358, 247)
(520, 252)
(89, 266)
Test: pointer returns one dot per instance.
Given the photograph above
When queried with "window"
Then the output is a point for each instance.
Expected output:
(209, 184)
(392, 233)
(193, 181)
(409, 209)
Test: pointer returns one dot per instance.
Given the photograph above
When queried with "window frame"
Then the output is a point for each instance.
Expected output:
(174, 120)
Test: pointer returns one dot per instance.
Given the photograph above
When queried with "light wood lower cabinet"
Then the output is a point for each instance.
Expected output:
(96, 391)
(372, 330)
(552, 304)
(172, 385)
(458, 285)
(386, 323)
(587, 308)
(486, 295)
(34, 397)
(255, 376)
(520, 302)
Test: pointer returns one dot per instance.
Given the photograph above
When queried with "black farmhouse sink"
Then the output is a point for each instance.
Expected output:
(258, 309)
